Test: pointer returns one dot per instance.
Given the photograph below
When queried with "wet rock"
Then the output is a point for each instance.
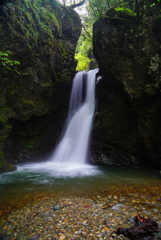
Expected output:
(75, 221)
(35, 238)
(7, 167)
(62, 236)
(56, 208)
(132, 220)
(118, 207)
(143, 228)
(33, 102)
(127, 53)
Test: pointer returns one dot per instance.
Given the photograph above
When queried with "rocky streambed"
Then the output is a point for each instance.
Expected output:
(97, 216)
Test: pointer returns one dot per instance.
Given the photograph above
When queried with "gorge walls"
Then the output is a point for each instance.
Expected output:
(127, 123)
(42, 36)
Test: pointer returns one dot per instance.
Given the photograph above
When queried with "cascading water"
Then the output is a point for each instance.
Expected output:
(70, 155)
(67, 172)
(73, 148)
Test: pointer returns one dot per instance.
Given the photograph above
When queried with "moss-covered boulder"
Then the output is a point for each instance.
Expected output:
(127, 122)
(42, 37)
(5, 167)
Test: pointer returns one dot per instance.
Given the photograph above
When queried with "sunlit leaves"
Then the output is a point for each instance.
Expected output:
(6, 62)
(83, 62)
(83, 47)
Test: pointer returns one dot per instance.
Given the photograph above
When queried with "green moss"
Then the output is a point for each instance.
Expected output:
(29, 102)
(29, 144)
(7, 167)
(119, 12)
(62, 50)
(2, 138)
(44, 44)
(1, 159)
(5, 112)
(126, 11)
(31, 18)
(3, 115)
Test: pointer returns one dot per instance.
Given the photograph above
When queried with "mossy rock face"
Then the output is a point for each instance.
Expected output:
(127, 120)
(129, 52)
(42, 36)
(1, 159)
(121, 13)
(5, 167)
(157, 29)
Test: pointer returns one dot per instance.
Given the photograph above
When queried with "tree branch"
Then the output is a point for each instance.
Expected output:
(84, 36)
(78, 4)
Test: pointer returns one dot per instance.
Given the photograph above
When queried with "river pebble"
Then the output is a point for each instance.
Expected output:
(94, 217)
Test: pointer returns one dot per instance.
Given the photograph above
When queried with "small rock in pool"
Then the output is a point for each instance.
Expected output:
(56, 208)
(118, 206)
(35, 238)
(159, 199)
(87, 206)
(2, 238)
(132, 219)
(62, 236)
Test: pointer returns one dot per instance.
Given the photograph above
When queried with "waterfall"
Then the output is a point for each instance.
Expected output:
(70, 155)
(73, 147)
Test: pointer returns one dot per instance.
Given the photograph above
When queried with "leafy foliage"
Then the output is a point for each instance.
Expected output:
(93, 9)
(84, 44)
(30, 17)
(9, 64)
(83, 62)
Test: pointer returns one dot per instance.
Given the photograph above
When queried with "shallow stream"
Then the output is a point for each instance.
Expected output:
(65, 180)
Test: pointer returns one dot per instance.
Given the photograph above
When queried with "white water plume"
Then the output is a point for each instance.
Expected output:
(70, 155)
(73, 148)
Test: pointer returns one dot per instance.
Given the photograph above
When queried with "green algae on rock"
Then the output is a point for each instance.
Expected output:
(42, 36)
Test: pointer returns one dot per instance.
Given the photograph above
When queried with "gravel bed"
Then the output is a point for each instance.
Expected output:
(72, 217)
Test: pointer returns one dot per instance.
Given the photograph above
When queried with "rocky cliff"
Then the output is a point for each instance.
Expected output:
(127, 122)
(41, 36)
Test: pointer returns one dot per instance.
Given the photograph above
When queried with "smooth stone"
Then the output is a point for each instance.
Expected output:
(118, 206)
(131, 220)
(85, 234)
(35, 238)
(155, 210)
(56, 208)
(62, 236)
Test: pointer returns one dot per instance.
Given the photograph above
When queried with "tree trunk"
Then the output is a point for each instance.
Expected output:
(137, 9)
(142, 12)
